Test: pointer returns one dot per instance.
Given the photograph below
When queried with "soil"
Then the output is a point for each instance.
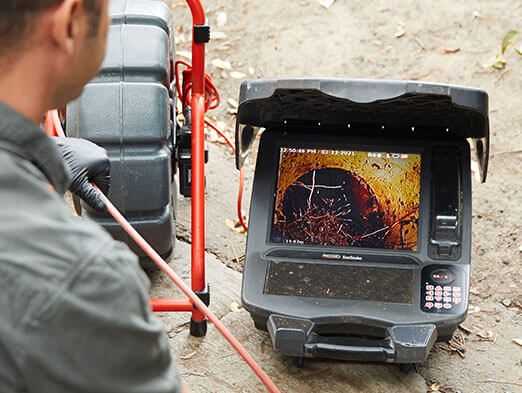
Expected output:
(444, 41)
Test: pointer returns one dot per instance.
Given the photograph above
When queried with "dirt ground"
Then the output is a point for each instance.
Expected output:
(437, 41)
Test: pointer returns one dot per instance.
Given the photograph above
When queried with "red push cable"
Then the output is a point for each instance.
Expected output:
(175, 278)
(53, 125)
(191, 295)
(239, 198)
(57, 123)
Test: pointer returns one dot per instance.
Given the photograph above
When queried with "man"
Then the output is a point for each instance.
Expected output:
(74, 313)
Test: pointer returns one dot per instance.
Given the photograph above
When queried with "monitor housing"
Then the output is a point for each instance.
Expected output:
(359, 236)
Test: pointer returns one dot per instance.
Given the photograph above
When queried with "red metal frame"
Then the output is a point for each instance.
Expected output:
(198, 175)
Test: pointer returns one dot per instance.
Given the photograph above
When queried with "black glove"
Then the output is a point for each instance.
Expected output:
(86, 162)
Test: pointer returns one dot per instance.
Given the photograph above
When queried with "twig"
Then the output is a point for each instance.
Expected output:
(497, 381)
(501, 75)
(194, 374)
(419, 41)
(235, 253)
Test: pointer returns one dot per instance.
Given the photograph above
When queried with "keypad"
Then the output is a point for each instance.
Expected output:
(442, 289)
(447, 299)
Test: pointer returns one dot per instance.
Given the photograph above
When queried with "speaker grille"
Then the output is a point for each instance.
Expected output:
(340, 282)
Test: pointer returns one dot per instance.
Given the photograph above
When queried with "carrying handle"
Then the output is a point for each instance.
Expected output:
(356, 349)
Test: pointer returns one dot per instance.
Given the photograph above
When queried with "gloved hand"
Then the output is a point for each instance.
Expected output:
(86, 162)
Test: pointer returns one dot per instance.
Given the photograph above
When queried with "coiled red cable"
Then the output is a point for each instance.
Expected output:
(212, 100)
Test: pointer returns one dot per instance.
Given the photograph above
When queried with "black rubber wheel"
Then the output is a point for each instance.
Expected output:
(298, 361)
(407, 368)
(260, 325)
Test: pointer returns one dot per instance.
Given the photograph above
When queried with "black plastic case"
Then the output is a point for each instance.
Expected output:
(127, 110)
(389, 305)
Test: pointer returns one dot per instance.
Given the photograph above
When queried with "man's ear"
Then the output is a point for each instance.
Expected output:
(69, 25)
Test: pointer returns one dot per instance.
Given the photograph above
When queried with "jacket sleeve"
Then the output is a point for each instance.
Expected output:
(98, 335)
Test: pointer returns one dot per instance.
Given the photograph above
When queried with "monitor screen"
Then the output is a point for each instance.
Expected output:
(347, 198)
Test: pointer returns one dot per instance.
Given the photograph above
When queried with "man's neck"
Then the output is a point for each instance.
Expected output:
(23, 88)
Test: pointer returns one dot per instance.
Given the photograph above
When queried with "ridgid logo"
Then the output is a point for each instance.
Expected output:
(343, 257)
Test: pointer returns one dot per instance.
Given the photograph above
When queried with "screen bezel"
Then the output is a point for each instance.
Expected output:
(267, 172)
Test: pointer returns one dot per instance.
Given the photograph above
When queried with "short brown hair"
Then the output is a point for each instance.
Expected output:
(16, 17)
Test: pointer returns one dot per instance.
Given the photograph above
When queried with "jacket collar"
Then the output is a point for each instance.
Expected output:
(29, 141)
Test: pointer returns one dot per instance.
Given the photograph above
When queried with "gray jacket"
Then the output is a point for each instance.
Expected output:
(74, 311)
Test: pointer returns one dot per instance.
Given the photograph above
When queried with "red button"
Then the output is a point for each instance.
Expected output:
(428, 305)
(447, 294)
(429, 287)
(430, 298)
(429, 293)
(447, 288)
(438, 293)
(456, 300)
(438, 305)
(447, 299)
(447, 305)
(438, 288)
(438, 298)
(456, 289)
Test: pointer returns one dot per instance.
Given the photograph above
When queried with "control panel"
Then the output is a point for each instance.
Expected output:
(443, 289)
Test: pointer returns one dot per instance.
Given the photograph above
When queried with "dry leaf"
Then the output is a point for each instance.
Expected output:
(234, 226)
(237, 75)
(518, 341)
(229, 223)
(326, 3)
(400, 31)
(185, 54)
(222, 64)
(217, 35)
(458, 344)
(188, 357)
(473, 309)
(252, 71)
(450, 51)
(234, 307)
(179, 4)
(233, 103)
(221, 19)
(476, 14)
(434, 387)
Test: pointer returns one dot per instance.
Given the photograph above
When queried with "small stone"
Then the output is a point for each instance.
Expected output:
(507, 302)
(221, 18)
(222, 64)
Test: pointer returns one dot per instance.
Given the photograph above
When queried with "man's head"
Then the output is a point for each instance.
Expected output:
(62, 40)
(17, 16)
